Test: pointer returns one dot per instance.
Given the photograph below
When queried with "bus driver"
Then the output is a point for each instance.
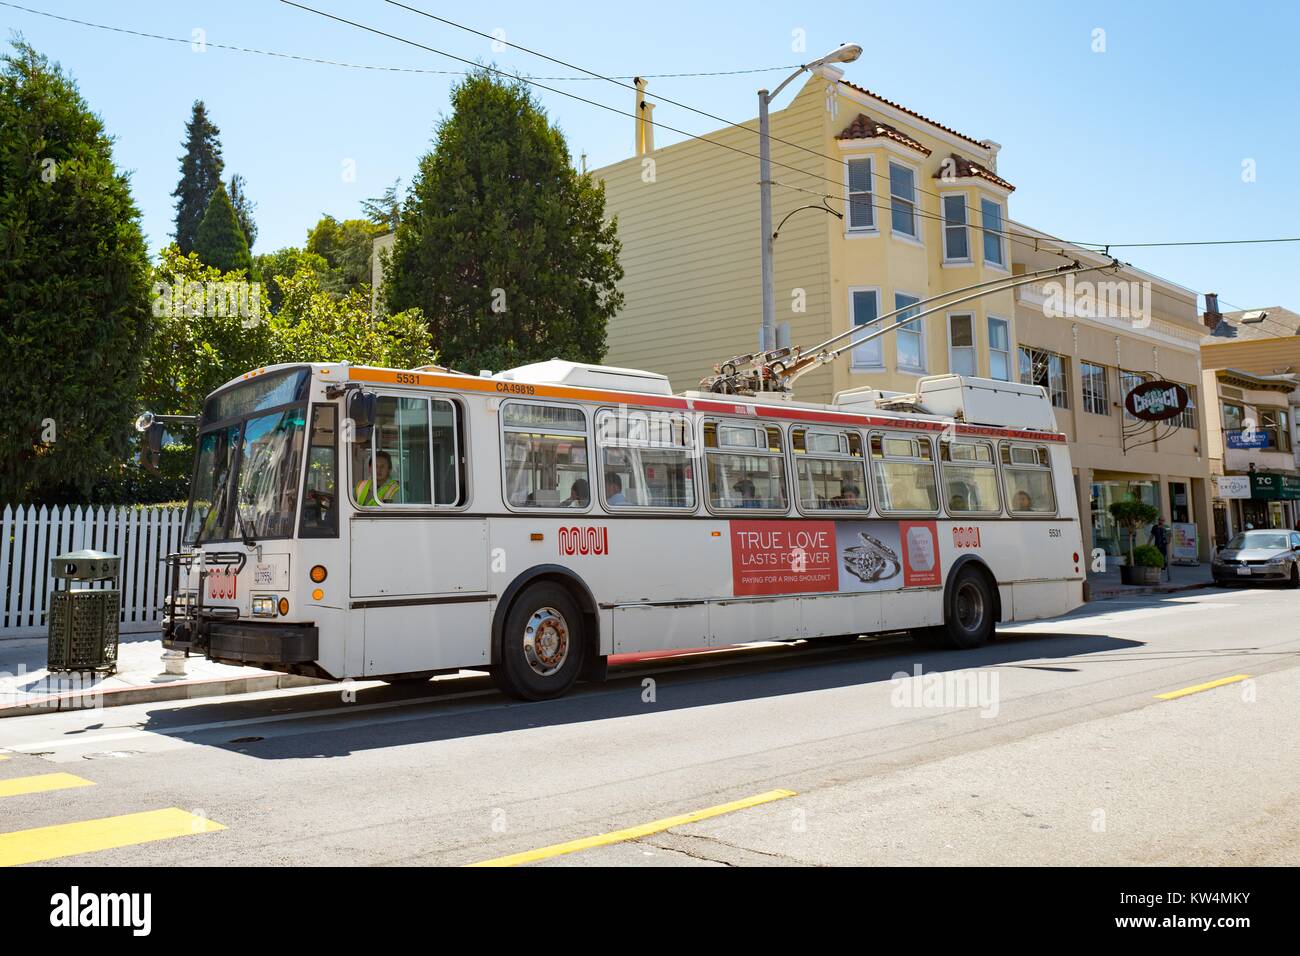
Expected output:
(388, 486)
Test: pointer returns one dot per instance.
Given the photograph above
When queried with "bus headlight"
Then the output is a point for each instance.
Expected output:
(263, 605)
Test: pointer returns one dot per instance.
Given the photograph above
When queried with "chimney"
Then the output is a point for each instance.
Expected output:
(645, 134)
(1212, 313)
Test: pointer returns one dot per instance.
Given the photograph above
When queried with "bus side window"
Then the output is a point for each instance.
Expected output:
(746, 466)
(394, 468)
(1027, 479)
(830, 470)
(544, 456)
(970, 477)
(646, 458)
(903, 466)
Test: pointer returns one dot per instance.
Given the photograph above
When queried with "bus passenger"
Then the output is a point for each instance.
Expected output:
(388, 486)
(614, 489)
(747, 493)
(1023, 501)
(579, 494)
(847, 498)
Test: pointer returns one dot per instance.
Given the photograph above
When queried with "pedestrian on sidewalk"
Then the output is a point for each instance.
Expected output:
(1160, 538)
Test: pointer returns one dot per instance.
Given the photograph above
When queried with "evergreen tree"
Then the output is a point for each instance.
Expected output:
(220, 241)
(243, 208)
(386, 208)
(501, 243)
(201, 171)
(74, 294)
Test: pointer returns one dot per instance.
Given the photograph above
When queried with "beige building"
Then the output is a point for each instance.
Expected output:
(919, 210)
(1090, 341)
(1252, 361)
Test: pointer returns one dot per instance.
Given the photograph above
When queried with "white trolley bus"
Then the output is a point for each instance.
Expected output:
(353, 522)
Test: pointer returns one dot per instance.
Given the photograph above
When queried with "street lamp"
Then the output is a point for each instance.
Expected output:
(845, 54)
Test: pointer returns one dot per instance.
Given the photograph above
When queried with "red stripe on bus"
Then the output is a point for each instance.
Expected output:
(467, 383)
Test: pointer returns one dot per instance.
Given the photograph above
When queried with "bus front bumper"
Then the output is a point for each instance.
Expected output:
(245, 642)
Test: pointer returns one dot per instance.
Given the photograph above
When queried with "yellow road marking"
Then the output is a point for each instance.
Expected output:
(635, 833)
(1197, 688)
(41, 783)
(3, 757)
(88, 836)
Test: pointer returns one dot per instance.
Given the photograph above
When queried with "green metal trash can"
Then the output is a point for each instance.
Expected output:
(83, 621)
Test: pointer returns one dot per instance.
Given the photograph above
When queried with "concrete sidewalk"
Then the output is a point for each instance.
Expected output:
(27, 687)
(1178, 577)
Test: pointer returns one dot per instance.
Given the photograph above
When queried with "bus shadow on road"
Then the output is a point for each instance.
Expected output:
(322, 725)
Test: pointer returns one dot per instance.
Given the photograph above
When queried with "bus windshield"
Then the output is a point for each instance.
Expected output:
(249, 461)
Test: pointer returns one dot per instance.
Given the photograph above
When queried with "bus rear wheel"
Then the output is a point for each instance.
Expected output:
(968, 618)
(543, 646)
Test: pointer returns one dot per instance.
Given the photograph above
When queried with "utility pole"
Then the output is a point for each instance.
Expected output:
(767, 330)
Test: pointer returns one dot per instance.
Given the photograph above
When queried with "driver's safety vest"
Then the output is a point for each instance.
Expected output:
(366, 491)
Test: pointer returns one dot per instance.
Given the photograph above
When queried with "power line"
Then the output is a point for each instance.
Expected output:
(664, 99)
(354, 66)
(1201, 242)
(590, 102)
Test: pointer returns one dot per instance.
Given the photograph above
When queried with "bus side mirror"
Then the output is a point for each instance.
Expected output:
(362, 409)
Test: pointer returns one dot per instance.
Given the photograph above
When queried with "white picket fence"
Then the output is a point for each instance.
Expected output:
(31, 536)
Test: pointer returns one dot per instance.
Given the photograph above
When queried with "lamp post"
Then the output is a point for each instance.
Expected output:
(845, 54)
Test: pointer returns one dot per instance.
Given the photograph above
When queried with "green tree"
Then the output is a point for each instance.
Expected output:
(73, 287)
(1132, 514)
(220, 241)
(314, 325)
(347, 246)
(243, 208)
(210, 327)
(201, 170)
(501, 243)
(386, 208)
(286, 262)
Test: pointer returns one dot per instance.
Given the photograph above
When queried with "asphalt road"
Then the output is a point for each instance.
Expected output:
(1051, 746)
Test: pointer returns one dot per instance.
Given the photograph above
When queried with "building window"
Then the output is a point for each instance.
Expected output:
(911, 337)
(1273, 423)
(1096, 391)
(902, 199)
(992, 214)
(956, 241)
(1127, 382)
(1040, 367)
(865, 305)
(961, 343)
(1187, 417)
(1233, 417)
(999, 349)
(862, 212)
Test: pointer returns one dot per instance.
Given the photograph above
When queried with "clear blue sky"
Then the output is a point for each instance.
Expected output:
(1143, 142)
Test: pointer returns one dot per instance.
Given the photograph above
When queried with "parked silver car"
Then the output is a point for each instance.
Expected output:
(1260, 555)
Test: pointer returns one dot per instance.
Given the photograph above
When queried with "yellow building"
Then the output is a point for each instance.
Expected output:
(689, 223)
(921, 211)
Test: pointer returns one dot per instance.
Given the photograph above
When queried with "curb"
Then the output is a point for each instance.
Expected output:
(175, 690)
(1148, 589)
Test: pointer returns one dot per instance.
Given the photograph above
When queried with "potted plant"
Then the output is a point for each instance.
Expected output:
(1131, 515)
(1146, 567)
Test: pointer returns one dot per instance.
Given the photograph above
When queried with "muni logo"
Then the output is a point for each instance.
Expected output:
(588, 540)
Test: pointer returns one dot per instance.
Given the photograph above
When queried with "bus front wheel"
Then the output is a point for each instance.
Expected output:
(542, 645)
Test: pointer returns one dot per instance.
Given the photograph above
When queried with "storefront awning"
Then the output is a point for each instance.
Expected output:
(1275, 487)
